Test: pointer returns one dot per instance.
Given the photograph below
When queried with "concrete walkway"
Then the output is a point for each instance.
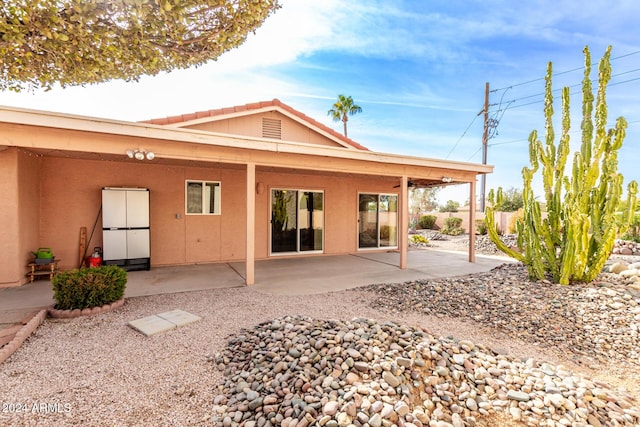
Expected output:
(283, 276)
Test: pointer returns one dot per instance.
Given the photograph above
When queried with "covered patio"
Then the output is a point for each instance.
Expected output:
(317, 191)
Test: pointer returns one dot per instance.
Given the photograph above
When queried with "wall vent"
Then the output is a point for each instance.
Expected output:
(271, 128)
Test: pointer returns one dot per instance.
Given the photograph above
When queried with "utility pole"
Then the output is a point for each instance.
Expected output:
(485, 144)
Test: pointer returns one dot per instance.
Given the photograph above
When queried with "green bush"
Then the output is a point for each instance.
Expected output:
(419, 238)
(633, 232)
(481, 227)
(88, 287)
(453, 222)
(428, 222)
(452, 226)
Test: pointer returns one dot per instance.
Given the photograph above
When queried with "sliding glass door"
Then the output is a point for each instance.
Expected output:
(284, 221)
(297, 221)
(377, 220)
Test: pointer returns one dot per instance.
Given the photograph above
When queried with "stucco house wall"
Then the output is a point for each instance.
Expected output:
(20, 213)
(252, 126)
(71, 199)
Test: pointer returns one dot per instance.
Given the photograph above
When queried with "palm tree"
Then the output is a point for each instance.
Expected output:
(341, 108)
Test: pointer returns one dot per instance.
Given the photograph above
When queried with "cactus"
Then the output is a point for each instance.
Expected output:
(574, 240)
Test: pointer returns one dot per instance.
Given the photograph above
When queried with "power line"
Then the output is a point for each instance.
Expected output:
(510, 106)
(561, 73)
(474, 154)
(462, 136)
(593, 81)
(527, 139)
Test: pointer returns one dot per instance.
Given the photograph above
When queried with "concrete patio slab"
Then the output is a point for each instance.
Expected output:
(280, 276)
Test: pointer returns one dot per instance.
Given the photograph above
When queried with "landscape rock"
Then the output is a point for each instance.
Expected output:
(432, 390)
(569, 319)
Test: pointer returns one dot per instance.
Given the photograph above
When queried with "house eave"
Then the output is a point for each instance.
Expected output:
(46, 119)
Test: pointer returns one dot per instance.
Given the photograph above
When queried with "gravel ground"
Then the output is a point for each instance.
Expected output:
(98, 371)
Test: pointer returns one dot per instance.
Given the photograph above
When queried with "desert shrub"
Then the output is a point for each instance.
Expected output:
(419, 238)
(481, 227)
(511, 201)
(88, 287)
(452, 226)
(428, 222)
(453, 222)
(633, 232)
(385, 232)
(513, 220)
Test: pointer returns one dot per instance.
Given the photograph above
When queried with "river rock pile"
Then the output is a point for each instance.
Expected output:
(628, 273)
(625, 247)
(600, 320)
(299, 371)
(485, 245)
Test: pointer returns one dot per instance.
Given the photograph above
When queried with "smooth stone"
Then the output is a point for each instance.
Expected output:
(518, 396)
(390, 379)
(375, 420)
(331, 408)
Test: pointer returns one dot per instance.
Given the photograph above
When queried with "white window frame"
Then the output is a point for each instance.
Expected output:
(217, 185)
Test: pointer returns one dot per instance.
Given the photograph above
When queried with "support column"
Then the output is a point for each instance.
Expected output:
(250, 255)
(403, 237)
(472, 221)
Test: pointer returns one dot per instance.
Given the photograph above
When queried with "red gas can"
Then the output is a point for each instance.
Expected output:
(95, 260)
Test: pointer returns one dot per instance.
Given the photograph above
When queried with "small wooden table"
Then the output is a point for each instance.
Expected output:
(49, 269)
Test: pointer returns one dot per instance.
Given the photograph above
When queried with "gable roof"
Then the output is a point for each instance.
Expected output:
(184, 120)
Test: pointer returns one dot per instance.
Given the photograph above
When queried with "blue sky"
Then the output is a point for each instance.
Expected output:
(417, 68)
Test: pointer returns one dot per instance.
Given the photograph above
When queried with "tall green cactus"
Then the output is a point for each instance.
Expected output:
(575, 238)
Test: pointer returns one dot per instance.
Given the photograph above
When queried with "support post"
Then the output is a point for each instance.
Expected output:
(250, 254)
(472, 221)
(403, 236)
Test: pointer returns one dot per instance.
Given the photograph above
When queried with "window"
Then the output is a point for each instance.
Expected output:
(203, 198)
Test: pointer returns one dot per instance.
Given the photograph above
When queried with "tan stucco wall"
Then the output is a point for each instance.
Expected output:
(10, 262)
(340, 201)
(252, 126)
(70, 198)
(19, 192)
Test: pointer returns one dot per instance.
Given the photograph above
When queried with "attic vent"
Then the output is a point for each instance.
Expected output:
(271, 128)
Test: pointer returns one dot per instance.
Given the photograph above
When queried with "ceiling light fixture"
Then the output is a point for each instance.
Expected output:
(447, 179)
(140, 154)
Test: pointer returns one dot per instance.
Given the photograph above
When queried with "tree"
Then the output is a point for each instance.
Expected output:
(450, 206)
(423, 199)
(342, 108)
(510, 201)
(76, 42)
(576, 238)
